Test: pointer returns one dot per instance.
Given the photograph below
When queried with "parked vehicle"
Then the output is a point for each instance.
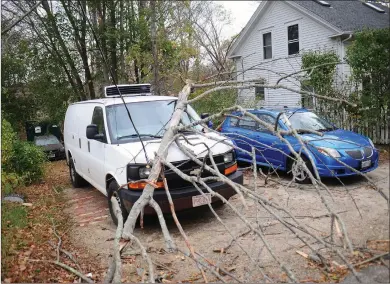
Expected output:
(352, 149)
(51, 146)
(103, 148)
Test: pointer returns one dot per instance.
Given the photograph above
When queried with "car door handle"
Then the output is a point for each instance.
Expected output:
(80, 143)
(89, 148)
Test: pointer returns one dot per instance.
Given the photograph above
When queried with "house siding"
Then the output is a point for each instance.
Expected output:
(275, 18)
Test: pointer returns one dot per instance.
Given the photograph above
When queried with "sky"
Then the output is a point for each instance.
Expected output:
(241, 12)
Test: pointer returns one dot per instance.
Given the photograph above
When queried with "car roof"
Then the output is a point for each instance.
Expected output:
(128, 99)
(274, 111)
(43, 137)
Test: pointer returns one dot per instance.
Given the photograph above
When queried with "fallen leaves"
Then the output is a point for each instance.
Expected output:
(31, 242)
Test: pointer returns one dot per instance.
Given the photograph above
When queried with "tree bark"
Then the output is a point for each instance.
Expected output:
(153, 32)
(64, 49)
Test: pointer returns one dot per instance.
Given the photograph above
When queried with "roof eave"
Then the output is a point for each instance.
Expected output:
(247, 27)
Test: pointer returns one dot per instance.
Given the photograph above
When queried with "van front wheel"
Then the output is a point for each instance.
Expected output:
(112, 191)
(75, 178)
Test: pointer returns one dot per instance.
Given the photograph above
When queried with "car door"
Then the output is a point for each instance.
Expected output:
(243, 133)
(271, 148)
(96, 151)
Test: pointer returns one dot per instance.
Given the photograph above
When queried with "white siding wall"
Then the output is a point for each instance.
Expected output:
(275, 19)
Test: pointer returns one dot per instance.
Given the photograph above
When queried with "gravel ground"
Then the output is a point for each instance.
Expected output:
(363, 210)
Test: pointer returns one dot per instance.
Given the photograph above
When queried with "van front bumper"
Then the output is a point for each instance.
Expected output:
(182, 198)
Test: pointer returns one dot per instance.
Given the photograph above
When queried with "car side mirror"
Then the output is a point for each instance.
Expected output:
(93, 133)
(206, 115)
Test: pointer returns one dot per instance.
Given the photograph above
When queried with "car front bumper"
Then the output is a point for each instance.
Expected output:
(182, 198)
(329, 167)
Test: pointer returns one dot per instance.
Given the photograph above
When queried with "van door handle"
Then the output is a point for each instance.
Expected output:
(80, 143)
(89, 148)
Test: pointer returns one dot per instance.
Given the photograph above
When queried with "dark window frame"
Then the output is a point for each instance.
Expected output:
(292, 41)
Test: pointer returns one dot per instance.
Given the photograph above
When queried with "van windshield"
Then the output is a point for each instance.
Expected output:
(150, 118)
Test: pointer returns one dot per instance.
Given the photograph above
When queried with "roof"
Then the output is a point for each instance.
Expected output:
(274, 111)
(342, 16)
(350, 15)
(128, 99)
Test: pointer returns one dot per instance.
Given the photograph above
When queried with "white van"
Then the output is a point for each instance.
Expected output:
(103, 148)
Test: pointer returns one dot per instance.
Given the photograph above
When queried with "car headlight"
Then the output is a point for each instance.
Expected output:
(371, 143)
(62, 149)
(228, 158)
(329, 152)
(144, 172)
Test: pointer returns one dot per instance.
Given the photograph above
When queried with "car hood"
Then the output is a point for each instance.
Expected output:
(341, 139)
(51, 147)
(174, 153)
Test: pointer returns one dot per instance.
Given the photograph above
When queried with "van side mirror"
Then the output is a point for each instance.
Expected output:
(93, 133)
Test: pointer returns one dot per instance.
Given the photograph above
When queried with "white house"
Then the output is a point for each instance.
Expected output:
(278, 32)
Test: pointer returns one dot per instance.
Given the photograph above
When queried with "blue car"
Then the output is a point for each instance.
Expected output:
(352, 149)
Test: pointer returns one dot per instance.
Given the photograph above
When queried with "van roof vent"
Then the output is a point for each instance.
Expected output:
(323, 3)
(127, 90)
(376, 8)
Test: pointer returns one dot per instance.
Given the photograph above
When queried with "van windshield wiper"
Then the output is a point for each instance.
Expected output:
(136, 135)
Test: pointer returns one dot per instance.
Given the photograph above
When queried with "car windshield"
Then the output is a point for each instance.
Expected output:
(309, 121)
(150, 118)
(46, 140)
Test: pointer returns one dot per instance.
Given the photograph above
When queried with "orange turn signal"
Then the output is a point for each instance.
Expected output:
(141, 185)
(231, 169)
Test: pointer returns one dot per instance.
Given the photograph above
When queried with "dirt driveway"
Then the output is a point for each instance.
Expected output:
(95, 230)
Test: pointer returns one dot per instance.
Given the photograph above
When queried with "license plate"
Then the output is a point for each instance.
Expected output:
(366, 164)
(52, 155)
(200, 200)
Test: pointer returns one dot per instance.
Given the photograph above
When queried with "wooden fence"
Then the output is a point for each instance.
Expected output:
(378, 128)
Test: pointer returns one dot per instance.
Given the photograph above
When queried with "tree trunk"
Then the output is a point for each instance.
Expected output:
(153, 32)
(112, 41)
(64, 49)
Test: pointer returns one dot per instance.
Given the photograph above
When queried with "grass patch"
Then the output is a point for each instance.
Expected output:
(13, 219)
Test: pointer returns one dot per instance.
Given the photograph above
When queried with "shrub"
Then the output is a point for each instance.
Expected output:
(28, 161)
(8, 137)
(215, 102)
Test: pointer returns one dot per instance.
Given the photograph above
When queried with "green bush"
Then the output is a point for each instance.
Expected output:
(214, 103)
(28, 161)
(22, 162)
(8, 137)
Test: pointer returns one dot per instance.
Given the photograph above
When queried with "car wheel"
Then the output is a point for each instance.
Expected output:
(299, 173)
(75, 178)
(113, 191)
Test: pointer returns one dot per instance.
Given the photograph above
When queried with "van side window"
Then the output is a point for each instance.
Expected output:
(98, 119)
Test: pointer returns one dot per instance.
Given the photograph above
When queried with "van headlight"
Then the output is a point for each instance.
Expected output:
(371, 143)
(329, 152)
(228, 158)
(144, 172)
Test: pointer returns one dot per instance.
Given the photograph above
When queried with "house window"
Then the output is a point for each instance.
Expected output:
(293, 39)
(259, 93)
(267, 46)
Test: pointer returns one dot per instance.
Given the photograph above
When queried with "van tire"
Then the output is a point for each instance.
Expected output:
(113, 191)
(75, 178)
